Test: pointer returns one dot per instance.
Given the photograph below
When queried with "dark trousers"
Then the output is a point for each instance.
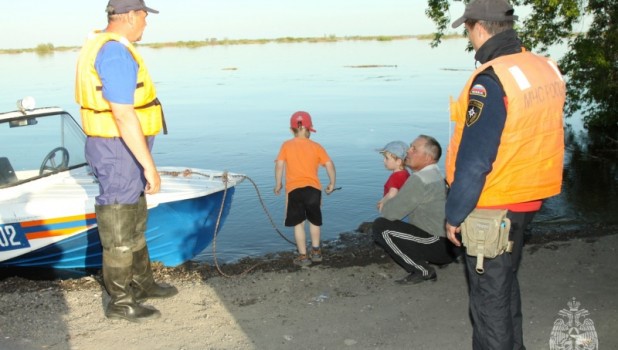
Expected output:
(412, 248)
(495, 302)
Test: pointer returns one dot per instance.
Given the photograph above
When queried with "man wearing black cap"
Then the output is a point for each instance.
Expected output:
(506, 153)
(121, 114)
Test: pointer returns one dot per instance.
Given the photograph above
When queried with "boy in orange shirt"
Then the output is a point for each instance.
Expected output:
(301, 157)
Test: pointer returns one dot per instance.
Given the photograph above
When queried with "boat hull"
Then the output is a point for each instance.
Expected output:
(48, 194)
(176, 232)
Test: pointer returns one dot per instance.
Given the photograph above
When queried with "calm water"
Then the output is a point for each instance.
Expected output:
(229, 107)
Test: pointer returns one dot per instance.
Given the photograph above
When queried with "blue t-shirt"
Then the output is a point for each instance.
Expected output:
(120, 176)
(117, 70)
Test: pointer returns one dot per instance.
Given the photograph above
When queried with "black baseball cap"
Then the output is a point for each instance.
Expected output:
(117, 7)
(487, 10)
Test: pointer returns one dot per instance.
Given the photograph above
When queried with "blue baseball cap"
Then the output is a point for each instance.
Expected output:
(397, 148)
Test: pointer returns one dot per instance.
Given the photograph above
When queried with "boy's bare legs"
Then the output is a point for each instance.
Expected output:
(300, 237)
(316, 252)
(314, 231)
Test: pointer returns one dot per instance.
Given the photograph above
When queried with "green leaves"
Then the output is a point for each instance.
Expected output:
(591, 64)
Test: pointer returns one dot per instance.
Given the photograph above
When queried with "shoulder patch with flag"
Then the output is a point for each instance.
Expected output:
(478, 90)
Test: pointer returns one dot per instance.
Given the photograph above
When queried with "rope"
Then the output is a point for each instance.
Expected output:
(272, 222)
(189, 172)
(225, 179)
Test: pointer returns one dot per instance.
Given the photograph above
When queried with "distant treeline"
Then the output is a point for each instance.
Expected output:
(43, 49)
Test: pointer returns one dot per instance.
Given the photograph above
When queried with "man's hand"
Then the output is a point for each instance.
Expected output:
(153, 181)
(450, 234)
(277, 189)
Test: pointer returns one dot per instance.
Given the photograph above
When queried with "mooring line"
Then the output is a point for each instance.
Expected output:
(225, 179)
(272, 222)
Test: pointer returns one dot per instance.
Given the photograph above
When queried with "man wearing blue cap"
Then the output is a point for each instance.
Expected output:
(121, 114)
(505, 155)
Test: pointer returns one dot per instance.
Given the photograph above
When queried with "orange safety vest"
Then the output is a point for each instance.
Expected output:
(530, 157)
(97, 118)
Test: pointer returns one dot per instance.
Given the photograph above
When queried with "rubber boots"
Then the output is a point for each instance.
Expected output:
(117, 280)
(144, 285)
(116, 225)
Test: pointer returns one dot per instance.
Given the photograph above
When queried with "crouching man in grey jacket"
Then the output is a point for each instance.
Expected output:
(422, 241)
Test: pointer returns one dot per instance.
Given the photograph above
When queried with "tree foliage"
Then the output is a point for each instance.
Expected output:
(592, 68)
(591, 63)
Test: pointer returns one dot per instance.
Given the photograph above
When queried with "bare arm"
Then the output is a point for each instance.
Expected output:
(279, 165)
(391, 193)
(131, 133)
(332, 176)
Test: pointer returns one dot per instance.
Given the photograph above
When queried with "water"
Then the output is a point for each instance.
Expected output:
(228, 107)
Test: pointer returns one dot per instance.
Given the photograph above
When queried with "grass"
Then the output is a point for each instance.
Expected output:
(41, 49)
(283, 40)
(44, 49)
(48, 48)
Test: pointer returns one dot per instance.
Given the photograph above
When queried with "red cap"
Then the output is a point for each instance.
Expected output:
(303, 119)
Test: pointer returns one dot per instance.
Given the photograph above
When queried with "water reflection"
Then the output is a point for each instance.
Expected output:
(590, 185)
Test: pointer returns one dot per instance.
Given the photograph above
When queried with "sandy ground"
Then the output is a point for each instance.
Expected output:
(321, 307)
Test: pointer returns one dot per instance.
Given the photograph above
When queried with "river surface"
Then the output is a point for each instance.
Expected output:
(228, 108)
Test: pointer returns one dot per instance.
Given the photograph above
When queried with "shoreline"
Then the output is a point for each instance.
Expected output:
(351, 248)
(340, 304)
(48, 48)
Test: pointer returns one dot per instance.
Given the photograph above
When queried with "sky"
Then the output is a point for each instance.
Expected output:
(28, 23)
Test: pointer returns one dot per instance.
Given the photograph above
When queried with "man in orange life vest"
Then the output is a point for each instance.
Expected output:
(506, 152)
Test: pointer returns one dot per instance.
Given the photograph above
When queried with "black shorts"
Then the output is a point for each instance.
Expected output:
(304, 204)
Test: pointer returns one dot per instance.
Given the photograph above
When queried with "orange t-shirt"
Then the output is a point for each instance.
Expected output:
(302, 158)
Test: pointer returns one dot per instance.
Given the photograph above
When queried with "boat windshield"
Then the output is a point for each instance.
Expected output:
(35, 146)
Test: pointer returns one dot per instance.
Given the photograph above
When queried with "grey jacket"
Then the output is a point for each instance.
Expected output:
(422, 199)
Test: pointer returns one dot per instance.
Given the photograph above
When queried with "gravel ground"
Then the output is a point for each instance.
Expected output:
(348, 301)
